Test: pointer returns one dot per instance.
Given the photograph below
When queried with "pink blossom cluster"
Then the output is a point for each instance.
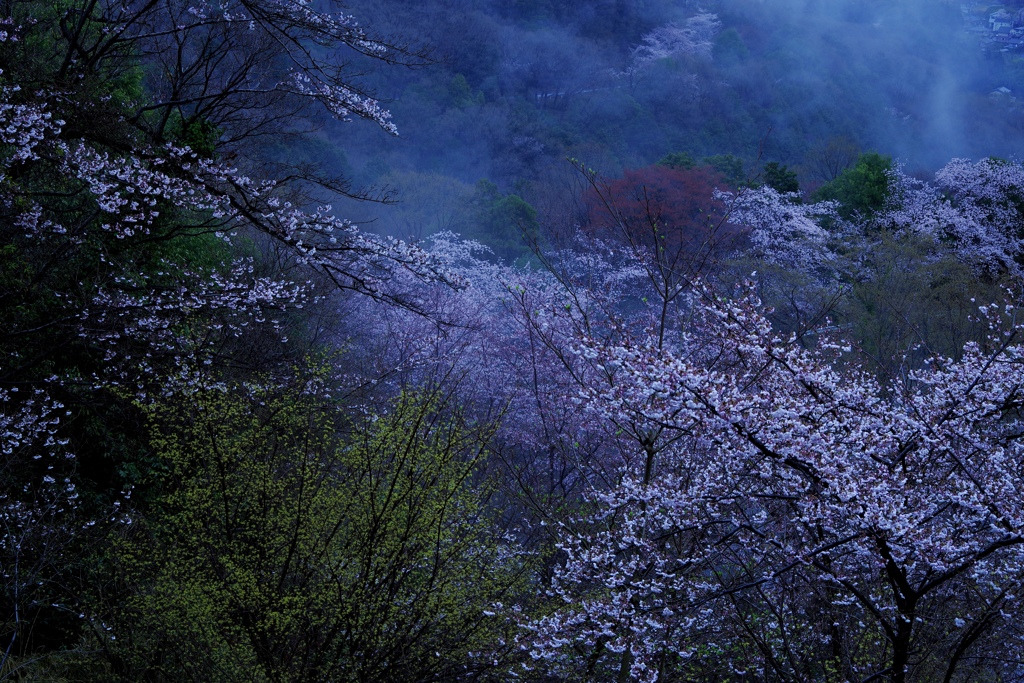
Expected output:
(977, 206)
(761, 467)
(188, 316)
(782, 229)
(695, 37)
(341, 100)
(24, 126)
(133, 190)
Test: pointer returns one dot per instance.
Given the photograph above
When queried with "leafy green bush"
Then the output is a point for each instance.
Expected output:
(862, 189)
(288, 544)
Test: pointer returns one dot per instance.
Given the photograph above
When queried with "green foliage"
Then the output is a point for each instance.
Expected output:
(200, 135)
(780, 178)
(460, 95)
(862, 189)
(919, 301)
(729, 166)
(678, 160)
(730, 48)
(283, 549)
(505, 223)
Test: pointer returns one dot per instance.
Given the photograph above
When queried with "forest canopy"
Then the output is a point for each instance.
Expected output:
(416, 341)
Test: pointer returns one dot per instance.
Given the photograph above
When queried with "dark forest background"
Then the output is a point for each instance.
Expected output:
(516, 88)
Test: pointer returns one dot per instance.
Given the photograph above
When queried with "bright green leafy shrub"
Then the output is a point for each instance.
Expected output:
(290, 545)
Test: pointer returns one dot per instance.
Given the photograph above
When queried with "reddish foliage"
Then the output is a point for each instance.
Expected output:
(671, 215)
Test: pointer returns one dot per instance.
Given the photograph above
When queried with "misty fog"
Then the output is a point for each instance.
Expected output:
(510, 90)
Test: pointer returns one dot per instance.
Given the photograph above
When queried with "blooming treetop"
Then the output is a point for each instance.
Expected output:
(977, 206)
(781, 229)
(695, 37)
(780, 482)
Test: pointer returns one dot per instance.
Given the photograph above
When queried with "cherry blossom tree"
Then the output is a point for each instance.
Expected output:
(486, 341)
(781, 229)
(672, 223)
(122, 192)
(760, 508)
(976, 206)
(695, 37)
(38, 514)
(787, 494)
